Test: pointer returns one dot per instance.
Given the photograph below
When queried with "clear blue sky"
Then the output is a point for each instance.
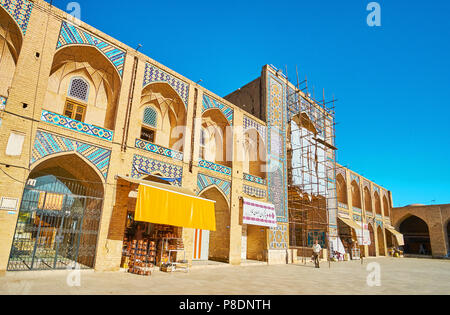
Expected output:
(392, 82)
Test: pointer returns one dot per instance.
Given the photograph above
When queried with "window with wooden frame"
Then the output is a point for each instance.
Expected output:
(78, 94)
(75, 110)
(149, 124)
(148, 134)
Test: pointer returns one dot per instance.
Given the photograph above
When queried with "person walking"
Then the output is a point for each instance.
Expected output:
(316, 252)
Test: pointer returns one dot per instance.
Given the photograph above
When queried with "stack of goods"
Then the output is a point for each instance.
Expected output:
(142, 257)
(165, 231)
(167, 267)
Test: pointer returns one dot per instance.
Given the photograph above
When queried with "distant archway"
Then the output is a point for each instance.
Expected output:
(416, 235)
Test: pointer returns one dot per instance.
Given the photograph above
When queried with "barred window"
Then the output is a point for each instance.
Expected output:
(150, 117)
(79, 89)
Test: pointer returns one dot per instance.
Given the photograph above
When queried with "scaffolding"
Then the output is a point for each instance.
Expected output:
(312, 196)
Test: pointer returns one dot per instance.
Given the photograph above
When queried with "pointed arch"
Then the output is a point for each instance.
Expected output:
(416, 234)
(97, 70)
(341, 189)
(255, 153)
(66, 157)
(171, 116)
(13, 30)
(372, 248)
(218, 145)
(367, 200)
(356, 195)
(11, 41)
(377, 200)
(386, 208)
(219, 240)
(380, 239)
(302, 120)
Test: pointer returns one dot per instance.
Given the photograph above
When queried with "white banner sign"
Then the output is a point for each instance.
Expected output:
(363, 234)
(258, 213)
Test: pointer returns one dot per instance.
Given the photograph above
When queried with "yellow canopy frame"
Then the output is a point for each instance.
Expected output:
(163, 205)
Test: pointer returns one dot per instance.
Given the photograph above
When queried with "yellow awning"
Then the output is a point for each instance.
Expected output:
(164, 204)
(398, 235)
(351, 223)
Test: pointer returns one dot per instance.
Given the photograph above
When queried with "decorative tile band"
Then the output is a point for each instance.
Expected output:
(75, 125)
(370, 214)
(215, 167)
(276, 143)
(318, 235)
(3, 101)
(343, 214)
(254, 192)
(148, 146)
(145, 166)
(357, 210)
(20, 10)
(153, 74)
(47, 144)
(342, 205)
(210, 103)
(254, 179)
(342, 171)
(354, 177)
(205, 181)
(279, 237)
(357, 218)
(71, 34)
(252, 124)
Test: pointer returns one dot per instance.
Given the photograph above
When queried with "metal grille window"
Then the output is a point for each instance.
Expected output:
(79, 89)
(150, 117)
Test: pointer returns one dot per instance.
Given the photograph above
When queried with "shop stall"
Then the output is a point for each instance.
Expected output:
(156, 215)
(348, 233)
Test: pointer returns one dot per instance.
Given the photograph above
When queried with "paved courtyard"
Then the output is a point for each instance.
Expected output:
(397, 276)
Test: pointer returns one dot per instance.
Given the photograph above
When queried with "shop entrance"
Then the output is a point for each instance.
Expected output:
(59, 218)
(214, 245)
(347, 234)
(154, 215)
